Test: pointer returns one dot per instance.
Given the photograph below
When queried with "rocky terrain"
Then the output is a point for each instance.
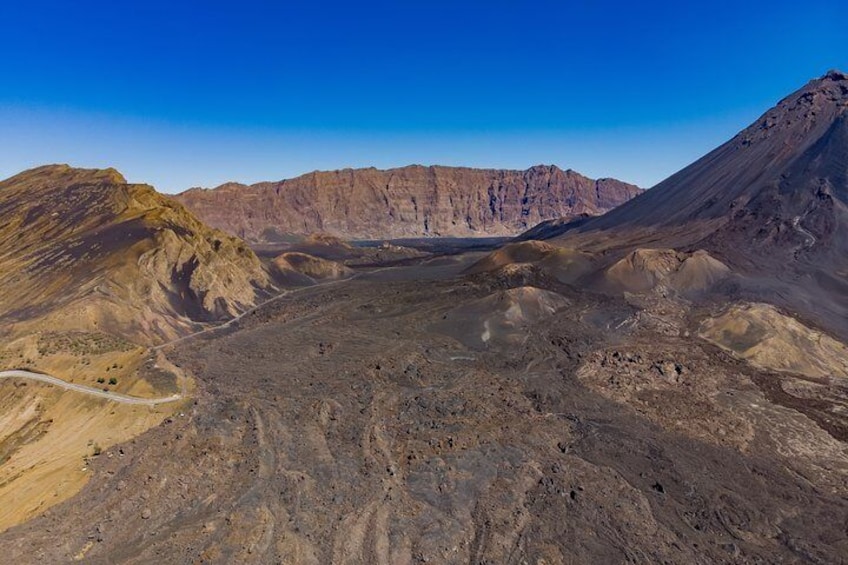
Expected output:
(423, 415)
(94, 271)
(84, 250)
(412, 201)
(647, 387)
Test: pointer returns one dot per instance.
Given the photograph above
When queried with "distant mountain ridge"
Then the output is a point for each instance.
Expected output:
(412, 201)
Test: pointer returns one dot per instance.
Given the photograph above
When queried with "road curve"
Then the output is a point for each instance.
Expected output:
(91, 391)
(810, 239)
(231, 321)
(251, 310)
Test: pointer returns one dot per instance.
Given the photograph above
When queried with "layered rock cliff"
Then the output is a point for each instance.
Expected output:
(412, 201)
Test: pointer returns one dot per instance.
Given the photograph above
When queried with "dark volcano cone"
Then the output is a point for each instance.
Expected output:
(772, 202)
(792, 147)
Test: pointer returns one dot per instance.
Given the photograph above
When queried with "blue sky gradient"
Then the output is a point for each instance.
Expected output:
(182, 94)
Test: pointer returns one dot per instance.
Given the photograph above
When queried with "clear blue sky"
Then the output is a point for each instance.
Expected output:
(181, 94)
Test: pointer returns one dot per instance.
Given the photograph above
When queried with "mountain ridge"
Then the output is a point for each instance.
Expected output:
(411, 201)
(82, 248)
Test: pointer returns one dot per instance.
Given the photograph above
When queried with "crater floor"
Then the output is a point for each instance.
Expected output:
(368, 421)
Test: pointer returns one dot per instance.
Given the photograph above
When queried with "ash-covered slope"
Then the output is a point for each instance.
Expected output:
(412, 201)
(784, 172)
(772, 203)
(85, 250)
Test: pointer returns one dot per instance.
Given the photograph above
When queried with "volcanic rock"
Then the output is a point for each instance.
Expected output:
(412, 201)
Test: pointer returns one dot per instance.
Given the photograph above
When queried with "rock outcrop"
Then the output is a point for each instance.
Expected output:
(412, 201)
(301, 268)
(646, 269)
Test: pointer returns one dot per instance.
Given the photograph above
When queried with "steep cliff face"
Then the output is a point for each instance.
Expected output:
(83, 250)
(412, 201)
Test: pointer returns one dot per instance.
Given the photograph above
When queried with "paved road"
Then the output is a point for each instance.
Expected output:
(91, 391)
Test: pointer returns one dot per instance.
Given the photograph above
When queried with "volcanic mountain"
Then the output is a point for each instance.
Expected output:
(772, 203)
(412, 201)
(85, 250)
(630, 391)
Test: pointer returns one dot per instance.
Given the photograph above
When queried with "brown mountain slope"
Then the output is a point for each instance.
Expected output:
(85, 250)
(772, 203)
(93, 270)
(405, 202)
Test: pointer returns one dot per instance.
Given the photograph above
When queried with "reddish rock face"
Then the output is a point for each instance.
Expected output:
(412, 201)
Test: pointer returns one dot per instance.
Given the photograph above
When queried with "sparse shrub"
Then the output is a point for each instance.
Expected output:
(101, 380)
(113, 381)
(81, 343)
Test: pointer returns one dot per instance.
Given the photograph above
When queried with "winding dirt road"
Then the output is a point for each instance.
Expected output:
(91, 391)
(125, 399)
(809, 238)
(231, 321)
